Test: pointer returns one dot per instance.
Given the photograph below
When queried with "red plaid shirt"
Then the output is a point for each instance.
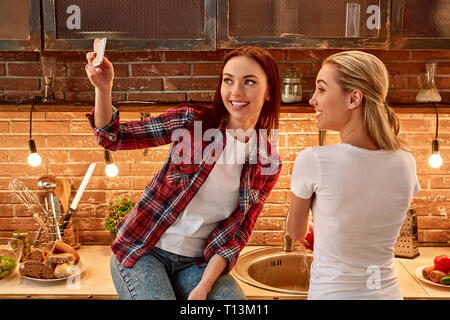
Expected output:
(174, 186)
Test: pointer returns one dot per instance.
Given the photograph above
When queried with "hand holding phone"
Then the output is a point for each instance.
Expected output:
(99, 69)
(99, 49)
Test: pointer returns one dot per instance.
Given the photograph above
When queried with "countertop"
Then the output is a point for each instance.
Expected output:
(96, 281)
(411, 287)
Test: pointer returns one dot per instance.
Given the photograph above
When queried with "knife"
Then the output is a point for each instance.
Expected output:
(77, 198)
(55, 219)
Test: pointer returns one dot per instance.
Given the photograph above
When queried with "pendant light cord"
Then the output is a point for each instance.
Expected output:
(437, 119)
(31, 114)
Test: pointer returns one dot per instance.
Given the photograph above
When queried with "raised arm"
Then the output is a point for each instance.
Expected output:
(101, 78)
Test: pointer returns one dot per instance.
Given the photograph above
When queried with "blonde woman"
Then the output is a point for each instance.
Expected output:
(358, 190)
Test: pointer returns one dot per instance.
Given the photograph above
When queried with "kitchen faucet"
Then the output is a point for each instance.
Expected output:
(288, 244)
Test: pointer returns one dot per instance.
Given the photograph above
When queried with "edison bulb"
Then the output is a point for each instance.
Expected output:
(435, 161)
(34, 159)
(111, 170)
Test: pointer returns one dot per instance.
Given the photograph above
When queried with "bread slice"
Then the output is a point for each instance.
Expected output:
(36, 269)
(36, 255)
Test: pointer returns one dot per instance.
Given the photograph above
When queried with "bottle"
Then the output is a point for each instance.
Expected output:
(23, 235)
(291, 86)
(429, 92)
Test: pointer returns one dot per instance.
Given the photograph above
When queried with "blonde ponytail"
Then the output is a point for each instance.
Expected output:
(364, 71)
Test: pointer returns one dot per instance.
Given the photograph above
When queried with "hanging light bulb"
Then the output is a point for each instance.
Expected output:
(435, 160)
(111, 169)
(34, 159)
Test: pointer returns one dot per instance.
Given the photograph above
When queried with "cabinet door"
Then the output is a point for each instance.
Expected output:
(130, 24)
(303, 23)
(20, 25)
(420, 24)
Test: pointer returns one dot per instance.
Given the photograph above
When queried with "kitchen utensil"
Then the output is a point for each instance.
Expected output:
(407, 242)
(52, 202)
(57, 208)
(49, 183)
(52, 185)
(10, 255)
(31, 201)
(26, 196)
(77, 198)
(58, 189)
(63, 193)
(55, 186)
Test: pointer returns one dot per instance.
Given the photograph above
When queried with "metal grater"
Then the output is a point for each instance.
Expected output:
(407, 242)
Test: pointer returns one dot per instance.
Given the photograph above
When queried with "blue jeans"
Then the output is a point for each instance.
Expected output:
(161, 275)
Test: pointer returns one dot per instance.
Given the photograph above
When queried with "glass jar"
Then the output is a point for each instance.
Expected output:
(23, 235)
(429, 92)
(291, 86)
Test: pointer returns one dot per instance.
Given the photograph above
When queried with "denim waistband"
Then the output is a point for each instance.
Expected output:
(172, 257)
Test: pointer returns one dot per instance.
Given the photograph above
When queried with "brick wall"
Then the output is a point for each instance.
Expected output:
(192, 76)
(66, 144)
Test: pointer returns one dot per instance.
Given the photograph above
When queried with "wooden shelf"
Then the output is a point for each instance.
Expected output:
(408, 108)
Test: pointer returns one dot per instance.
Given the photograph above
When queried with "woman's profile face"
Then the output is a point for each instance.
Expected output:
(329, 100)
(244, 90)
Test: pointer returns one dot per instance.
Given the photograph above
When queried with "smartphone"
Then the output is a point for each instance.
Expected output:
(99, 49)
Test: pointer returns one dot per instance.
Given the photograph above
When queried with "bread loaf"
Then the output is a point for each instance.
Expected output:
(63, 270)
(36, 269)
(60, 258)
(61, 247)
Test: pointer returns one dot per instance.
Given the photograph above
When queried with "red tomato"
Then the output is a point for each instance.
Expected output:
(442, 263)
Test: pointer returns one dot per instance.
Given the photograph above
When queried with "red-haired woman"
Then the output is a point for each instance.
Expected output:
(185, 234)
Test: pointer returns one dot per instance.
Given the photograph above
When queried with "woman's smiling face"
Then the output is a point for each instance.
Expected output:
(329, 100)
(244, 90)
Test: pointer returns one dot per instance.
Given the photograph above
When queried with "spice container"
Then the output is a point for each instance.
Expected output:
(429, 92)
(23, 235)
(291, 86)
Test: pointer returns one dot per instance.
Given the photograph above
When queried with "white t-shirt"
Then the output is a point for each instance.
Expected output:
(361, 200)
(216, 199)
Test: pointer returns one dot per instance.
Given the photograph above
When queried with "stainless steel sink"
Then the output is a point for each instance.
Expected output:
(273, 269)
